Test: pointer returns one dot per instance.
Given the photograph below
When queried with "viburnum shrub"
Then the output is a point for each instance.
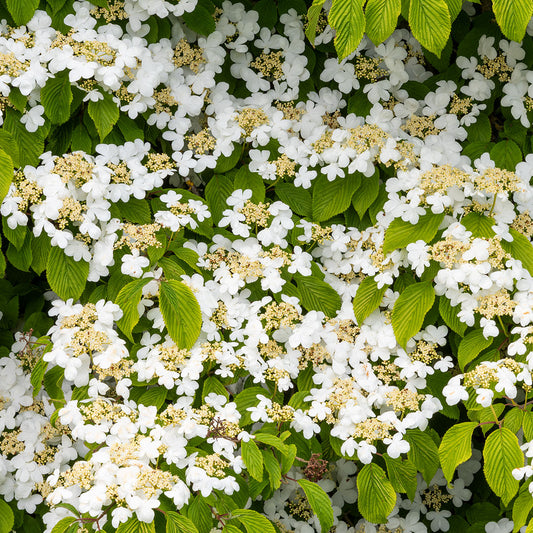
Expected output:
(249, 288)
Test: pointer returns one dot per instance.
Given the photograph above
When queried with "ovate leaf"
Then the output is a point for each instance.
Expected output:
(67, 278)
(521, 509)
(312, 19)
(253, 521)
(134, 525)
(402, 474)
(22, 10)
(177, 523)
(449, 315)
(56, 97)
(471, 346)
(410, 309)
(128, 299)
(317, 295)
(520, 248)
(430, 23)
(7, 518)
(104, 113)
(181, 312)
(367, 299)
(366, 193)
(333, 197)
(381, 19)
(377, 496)
(506, 154)
(456, 447)
(252, 458)
(200, 20)
(423, 453)
(400, 233)
(513, 17)
(346, 17)
(501, 455)
(6, 174)
(319, 502)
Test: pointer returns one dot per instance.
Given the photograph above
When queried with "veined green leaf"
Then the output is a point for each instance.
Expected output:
(456, 447)
(423, 453)
(317, 295)
(333, 197)
(430, 23)
(56, 97)
(471, 346)
(520, 248)
(312, 19)
(449, 315)
(253, 459)
(22, 10)
(367, 299)
(319, 502)
(253, 521)
(521, 509)
(67, 277)
(6, 174)
(134, 525)
(346, 17)
(410, 309)
(104, 113)
(128, 299)
(7, 518)
(402, 474)
(501, 455)
(177, 523)
(381, 19)
(181, 312)
(377, 496)
(513, 17)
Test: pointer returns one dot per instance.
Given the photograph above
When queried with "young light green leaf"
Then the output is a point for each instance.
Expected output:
(7, 518)
(410, 309)
(377, 497)
(381, 19)
(317, 295)
(454, 7)
(6, 174)
(56, 97)
(402, 475)
(319, 502)
(501, 455)
(346, 17)
(449, 315)
(479, 225)
(456, 447)
(312, 19)
(64, 524)
(520, 248)
(430, 23)
(181, 312)
(366, 193)
(128, 299)
(513, 17)
(423, 453)
(333, 197)
(134, 525)
(67, 277)
(22, 10)
(521, 509)
(253, 521)
(400, 233)
(471, 346)
(177, 523)
(37, 375)
(252, 458)
(367, 299)
(104, 114)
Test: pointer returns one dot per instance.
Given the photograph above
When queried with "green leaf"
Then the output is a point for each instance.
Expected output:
(400, 233)
(22, 10)
(67, 278)
(128, 299)
(424, 453)
(10, 147)
(217, 192)
(402, 474)
(200, 513)
(6, 174)
(312, 19)
(181, 313)
(200, 20)
(333, 197)
(521, 509)
(155, 396)
(253, 521)
(527, 425)
(271, 440)
(63, 525)
(177, 523)
(56, 97)
(31, 144)
(376, 495)
(226, 163)
(37, 375)
(381, 19)
(410, 309)
(520, 248)
(480, 130)
(104, 114)
(506, 154)
(272, 469)
(454, 7)
(246, 179)
(248, 398)
(346, 17)
(319, 502)
(367, 299)
(479, 225)
(471, 346)
(317, 295)
(297, 198)
(40, 251)
(135, 210)
(253, 459)
(367, 192)
(213, 384)
(513, 17)
(430, 23)
(134, 525)
(456, 447)
(7, 519)
(449, 315)
(501, 455)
